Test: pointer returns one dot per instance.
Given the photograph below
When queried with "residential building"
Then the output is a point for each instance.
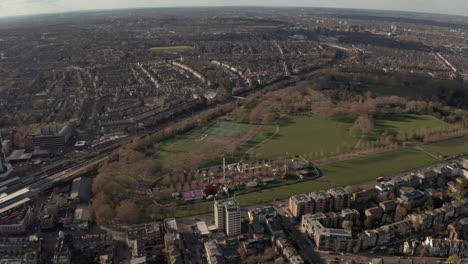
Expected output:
(323, 201)
(414, 197)
(227, 216)
(374, 212)
(341, 198)
(300, 205)
(388, 206)
(368, 239)
(365, 195)
(446, 247)
(52, 136)
(213, 253)
(332, 239)
(261, 214)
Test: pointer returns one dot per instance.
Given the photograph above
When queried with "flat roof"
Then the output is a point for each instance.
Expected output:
(301, 198)
(203, 228)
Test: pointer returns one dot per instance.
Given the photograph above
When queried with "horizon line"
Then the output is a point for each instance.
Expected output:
(227, 6)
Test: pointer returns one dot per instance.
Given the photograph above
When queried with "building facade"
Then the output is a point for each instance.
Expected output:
(227, 216)
(300, 205)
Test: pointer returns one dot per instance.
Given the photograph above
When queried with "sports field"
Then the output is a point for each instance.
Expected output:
(171, 150)
(171, 48)
(226, 129)
(449, 147)
(409, 123)
(305, 134)
(174, 151)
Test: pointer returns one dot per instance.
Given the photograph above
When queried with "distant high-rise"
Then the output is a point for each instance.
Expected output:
(227, 216)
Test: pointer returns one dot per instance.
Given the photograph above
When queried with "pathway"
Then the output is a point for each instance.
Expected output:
(261, 143)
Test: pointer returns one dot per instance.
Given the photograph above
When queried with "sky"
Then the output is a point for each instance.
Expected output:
(28, 7)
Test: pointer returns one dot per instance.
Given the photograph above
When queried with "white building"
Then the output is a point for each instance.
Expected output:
(227, 216)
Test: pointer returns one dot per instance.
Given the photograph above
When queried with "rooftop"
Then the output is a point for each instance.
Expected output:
(301, 198)
(340, 191)
(320, 195)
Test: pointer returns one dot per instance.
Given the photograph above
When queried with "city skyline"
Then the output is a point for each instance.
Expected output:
(30, 7)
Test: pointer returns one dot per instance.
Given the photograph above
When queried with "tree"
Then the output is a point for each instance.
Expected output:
(349, 188)
(128, 211)
(103, 213)
(453, 259)
(364, 124)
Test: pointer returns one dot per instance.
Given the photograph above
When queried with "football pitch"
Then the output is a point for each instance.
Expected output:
(226, 129)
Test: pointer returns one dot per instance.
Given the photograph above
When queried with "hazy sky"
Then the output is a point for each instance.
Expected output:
(24, 7)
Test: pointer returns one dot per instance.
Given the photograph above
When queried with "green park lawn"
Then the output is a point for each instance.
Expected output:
(408, 123)
(335, 174)
(304, 134)
(168, 152)
(347, 172)
(450, 147)
(171, 48)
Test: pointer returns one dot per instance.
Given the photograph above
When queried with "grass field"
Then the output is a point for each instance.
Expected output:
(408, 123)
(225, 129)
(171, 48)
(336, 174)
(449, 147)
(169, 151)
(346, 173)
(172, 151)
(298, 135)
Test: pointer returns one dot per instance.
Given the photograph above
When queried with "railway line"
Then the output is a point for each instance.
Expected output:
(45, 181)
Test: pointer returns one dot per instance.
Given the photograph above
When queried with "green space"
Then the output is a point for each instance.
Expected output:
(409, 123)
(171, 48)
(173, 151)
(347, 172)
(335, 174)
(168, 151)
(449, 147)
(225, 129)
(305, 134)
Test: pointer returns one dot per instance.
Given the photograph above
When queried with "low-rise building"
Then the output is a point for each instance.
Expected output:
(414, 197)
(365, 195)
(388, 206)
(445, 247)
(374, 212)
(213, 253)
(81, 189)
(261, 214)
(331, 239)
